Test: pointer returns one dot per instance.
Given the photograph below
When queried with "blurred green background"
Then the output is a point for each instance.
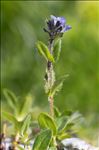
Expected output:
(23, 69)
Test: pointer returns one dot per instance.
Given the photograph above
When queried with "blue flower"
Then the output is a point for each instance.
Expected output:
(56, 26)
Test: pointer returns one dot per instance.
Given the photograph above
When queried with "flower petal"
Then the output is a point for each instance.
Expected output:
(54, 18)
(62, 20)
(67, 27)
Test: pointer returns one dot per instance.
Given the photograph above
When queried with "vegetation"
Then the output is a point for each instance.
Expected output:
(23, 70)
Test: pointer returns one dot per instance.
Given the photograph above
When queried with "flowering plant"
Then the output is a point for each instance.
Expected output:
(56, 27)
(53, 127)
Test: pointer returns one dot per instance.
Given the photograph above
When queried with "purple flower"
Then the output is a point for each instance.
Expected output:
(56, 26)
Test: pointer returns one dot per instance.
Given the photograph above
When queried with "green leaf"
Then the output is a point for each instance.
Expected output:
(43, 50)
(61, 121)
(63, 136)
(66, 113)
(10, 118)
(74, 118)
(66, 127)
(25, 124)
(24, 107)
(46, 121)
(10, 97)
(57, 50)
(71, 120)
(56, 112)
(42, 140)
(58, 85)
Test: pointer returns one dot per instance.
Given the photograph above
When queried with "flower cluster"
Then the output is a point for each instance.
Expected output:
(56, 26)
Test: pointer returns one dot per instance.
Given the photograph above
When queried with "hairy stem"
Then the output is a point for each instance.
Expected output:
(50, 78)
(51, 104)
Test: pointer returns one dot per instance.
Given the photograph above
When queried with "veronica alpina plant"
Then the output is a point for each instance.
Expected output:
(56, 27)
(54, 127)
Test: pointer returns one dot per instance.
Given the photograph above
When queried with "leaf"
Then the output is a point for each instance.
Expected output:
(10, 97)
(56, 112)
(66, 127)
(43, 50)
(63, 136)
(57, 50)
(74, 118)
(42, 140)
(10, 118)
(61, 121)
(25, 124)
(58, 85)
(24, 107)
(46, 121)
(66, 113)
(70, 121)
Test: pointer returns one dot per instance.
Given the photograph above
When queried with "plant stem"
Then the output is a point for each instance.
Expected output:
(50, 78)
(51, 104)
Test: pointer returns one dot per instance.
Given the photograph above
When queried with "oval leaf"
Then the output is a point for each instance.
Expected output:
(43, 49)
(46, 121)
(42, 140)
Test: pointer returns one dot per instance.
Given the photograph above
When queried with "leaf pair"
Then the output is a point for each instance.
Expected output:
(20, 126)
(43, 139)
(20, 109)
(60, 124)
(54, 129)
(43, 50)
